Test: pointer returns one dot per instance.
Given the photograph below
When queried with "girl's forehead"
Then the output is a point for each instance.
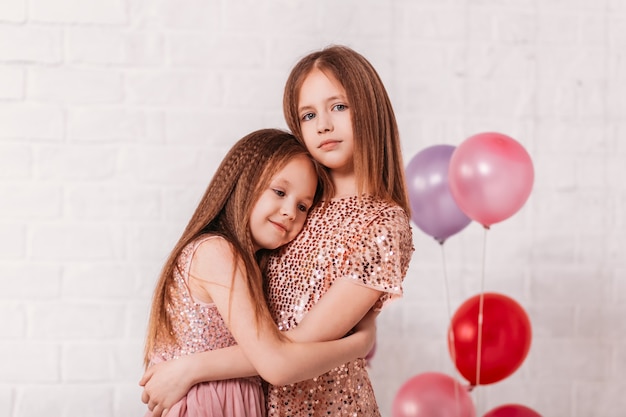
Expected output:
(323, 74)
(320, 84)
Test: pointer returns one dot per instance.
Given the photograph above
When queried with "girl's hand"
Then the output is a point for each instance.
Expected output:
(165, 383)
(367, 328)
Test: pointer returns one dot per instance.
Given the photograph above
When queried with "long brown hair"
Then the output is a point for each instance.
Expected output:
(224, 210)
(378, 163)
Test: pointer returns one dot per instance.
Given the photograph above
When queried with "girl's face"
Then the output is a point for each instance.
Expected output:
(279, 213)
(326, 122)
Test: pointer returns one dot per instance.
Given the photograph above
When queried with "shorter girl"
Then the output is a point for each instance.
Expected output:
(210, 294)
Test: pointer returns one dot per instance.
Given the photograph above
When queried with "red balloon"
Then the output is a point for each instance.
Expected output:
(490, 176)
(512, 410)
(432, 394)
(505, 341)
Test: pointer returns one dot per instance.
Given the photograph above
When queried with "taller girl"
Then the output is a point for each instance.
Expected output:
(356, 247)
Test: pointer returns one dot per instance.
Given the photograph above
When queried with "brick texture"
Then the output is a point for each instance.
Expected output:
(114, 114)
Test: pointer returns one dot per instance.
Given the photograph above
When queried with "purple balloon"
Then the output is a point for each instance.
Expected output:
(434, 210)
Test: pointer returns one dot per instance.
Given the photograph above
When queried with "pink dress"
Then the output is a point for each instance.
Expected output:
(367, 241)
(199, 327)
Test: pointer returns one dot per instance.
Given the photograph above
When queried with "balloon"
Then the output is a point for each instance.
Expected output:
(432, 394)
(512, 410)
(491, 176)
(505, 341)
(433, 208)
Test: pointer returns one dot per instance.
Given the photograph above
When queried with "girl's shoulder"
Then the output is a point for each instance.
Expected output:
(207, 242)
(384, 208)
(213, 246)
(384, 217)
(213, 258)
(363, 212)
(211, 249)
(366, 202)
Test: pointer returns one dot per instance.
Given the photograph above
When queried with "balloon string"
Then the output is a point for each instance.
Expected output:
(450, 331)
(480, 310)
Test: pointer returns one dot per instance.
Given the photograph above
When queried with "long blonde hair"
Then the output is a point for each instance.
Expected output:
(378, 163)
(224, 210)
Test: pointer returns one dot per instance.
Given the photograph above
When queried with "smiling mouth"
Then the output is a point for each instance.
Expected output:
(279, 226)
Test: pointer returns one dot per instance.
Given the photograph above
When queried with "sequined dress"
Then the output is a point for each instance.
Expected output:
(199, 327)
(365, 240)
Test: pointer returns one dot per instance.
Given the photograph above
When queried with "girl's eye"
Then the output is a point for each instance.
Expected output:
(340, 107)
(308, 116)
(279, 193)
(302, 208)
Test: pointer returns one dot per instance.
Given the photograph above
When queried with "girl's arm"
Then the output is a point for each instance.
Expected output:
(218, 274)
(167, 382)
(323, 322)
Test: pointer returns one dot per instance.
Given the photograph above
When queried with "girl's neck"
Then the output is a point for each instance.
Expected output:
(345, 185)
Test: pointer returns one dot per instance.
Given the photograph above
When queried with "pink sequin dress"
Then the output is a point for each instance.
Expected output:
(199, 327)
(365, 240)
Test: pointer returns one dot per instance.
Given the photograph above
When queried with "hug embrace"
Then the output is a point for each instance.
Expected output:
(266, 306)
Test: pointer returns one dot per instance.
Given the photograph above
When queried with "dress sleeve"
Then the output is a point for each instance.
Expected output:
(379, 256)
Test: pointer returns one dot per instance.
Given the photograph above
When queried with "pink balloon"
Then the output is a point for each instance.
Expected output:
(432, 394)
(491, 176)
(512, 410)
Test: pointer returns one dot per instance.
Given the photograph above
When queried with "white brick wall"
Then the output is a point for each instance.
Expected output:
(114, 114)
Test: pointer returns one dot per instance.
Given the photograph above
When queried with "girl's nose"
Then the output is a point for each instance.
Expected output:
(288, 211)
(324, 123)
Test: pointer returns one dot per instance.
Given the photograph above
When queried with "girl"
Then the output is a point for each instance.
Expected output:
(210, 293)
(355, 249)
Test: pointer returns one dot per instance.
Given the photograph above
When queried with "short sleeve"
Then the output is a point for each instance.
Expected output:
(379, 256)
